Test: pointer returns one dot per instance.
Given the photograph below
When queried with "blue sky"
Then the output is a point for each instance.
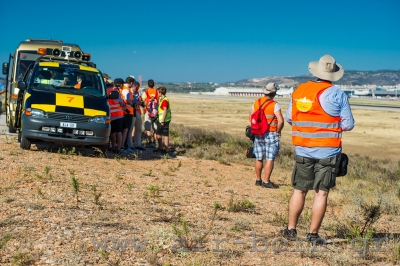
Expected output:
(210, 40)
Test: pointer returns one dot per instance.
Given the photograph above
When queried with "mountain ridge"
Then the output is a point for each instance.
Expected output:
(350, 77)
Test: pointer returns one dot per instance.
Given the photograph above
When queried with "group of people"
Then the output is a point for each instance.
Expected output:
(128, 111)
(318, 112)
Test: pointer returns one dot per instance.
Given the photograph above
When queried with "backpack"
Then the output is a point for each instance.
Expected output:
(152, 108)
(259, 124)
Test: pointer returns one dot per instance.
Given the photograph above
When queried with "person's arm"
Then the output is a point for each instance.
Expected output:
(346, 117)
(164, 106)
(288, 115)
(280, 121)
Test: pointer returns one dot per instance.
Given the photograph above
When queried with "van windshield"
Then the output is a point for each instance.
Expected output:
(69, 80)
(25, 59)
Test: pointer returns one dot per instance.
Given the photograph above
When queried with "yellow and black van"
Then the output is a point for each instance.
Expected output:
(63, 101)
(18, 63)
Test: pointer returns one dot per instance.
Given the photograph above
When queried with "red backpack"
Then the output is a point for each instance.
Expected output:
(259, 124)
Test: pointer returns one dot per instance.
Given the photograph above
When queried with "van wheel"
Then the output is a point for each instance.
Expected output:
(11, 127)
(25, 143)
(19, 136)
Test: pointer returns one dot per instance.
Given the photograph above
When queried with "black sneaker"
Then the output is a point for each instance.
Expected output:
(312, 237)
(258, 183)
(269, 185)
(289, 233)
(140, 148)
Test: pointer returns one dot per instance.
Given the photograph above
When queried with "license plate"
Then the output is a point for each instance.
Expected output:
(67, 124)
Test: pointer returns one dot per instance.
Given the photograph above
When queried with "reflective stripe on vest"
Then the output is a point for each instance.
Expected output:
(161, 111)
(311, 125)
(269, 112)
(45, 81)
(115, 107)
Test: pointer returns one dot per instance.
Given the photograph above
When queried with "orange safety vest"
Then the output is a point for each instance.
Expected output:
(268, 111)
(115, 107)
(128, 106)
(311, 125)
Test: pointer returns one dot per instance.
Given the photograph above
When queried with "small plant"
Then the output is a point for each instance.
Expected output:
(20, 259)
(206, 183)
(240, 205)
(154, 191)
(129, 186)
(47, 169)
(118, 176)
(396, 253)
(103, 254)
(4, 240)
(217, 206)
(149, 173)
(40, 193)
(8, 200)
(96, 194)
(75, 187)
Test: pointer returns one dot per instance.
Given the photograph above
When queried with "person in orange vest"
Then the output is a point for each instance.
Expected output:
(318, 112)
(268, 144)
(127, 96)
(116, 116)
(150, 123)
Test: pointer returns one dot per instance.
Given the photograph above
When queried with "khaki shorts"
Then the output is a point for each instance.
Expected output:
(315, 174)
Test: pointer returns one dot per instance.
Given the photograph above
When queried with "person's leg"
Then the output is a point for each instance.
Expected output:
(296, 206)
(128, 139)
(258, 166)
(166, 143)
(159, 141)
(269, 166)
(118, 136)
(113, 140)
(318, 210)
(138, 131)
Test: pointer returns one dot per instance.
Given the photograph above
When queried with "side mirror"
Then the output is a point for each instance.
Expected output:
(21, 85)
(113, 95)
(5, 68)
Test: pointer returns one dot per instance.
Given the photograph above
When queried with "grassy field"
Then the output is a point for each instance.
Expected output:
(73, 207)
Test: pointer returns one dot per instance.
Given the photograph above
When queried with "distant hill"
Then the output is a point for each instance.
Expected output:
(350, 77)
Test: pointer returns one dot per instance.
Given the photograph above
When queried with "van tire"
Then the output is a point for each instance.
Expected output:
(25, 143)
(11, 127)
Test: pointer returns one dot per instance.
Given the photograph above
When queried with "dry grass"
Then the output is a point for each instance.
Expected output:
(191, 210)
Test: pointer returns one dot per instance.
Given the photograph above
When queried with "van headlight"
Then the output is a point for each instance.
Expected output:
(98, 119)
(35, 112)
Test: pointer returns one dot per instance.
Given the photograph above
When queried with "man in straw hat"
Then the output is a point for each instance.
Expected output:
(318, 113)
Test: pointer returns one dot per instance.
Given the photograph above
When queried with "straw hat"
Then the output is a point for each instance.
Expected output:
(326, 68)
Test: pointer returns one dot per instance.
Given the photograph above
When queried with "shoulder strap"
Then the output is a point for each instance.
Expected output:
(269, 101)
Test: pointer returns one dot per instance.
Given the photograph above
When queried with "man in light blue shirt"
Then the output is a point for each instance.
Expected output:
(318, 112)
